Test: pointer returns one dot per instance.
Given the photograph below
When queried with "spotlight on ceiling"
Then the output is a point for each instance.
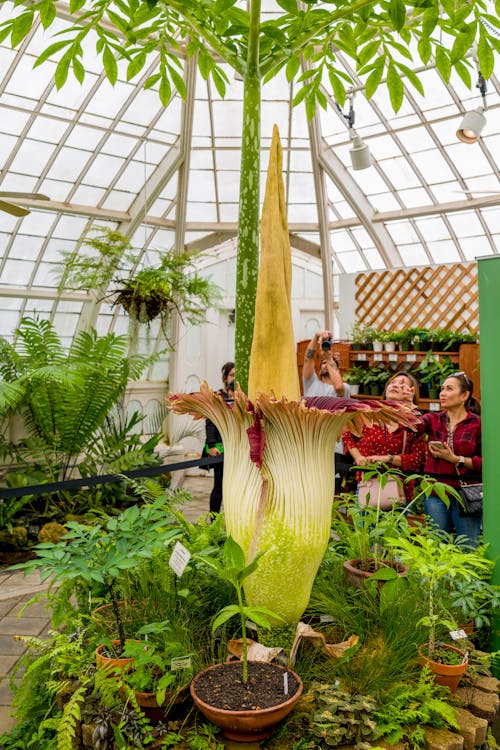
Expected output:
(360, 154)
(473, 122)
(472, 126)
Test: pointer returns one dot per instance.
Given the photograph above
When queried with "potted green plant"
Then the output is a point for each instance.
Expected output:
(358, 336)
(161, 669)
(436, 559)
(98, 555)
(244, 712)
(375, 379)
(355, 377)
(473, 601)
(107, 268)
(432, 371)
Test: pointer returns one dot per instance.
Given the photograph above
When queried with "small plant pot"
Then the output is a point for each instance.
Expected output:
(246, 725)
(448, 675)
(356, 576)
(374, 390)
(149, 705)
(378, 346)
(354, 387)
(390, 346)
(434, 393)
(116, 664)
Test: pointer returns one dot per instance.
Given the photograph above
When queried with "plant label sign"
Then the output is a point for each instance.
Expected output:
(179, 559)
(457, 635)
(180, 662)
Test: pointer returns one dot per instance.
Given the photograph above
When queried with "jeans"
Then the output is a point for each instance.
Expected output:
(449, 519)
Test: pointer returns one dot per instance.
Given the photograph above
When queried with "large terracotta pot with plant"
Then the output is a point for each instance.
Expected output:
(448, 675)
(252, 723)
(358, 571)
(246, 699)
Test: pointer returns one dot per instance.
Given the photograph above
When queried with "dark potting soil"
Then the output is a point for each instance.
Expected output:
(223, 687)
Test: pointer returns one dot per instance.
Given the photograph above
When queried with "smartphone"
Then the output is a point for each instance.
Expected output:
(436, 444)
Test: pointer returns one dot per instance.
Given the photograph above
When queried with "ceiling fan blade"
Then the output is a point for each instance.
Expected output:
(12, 209)
(22, 196)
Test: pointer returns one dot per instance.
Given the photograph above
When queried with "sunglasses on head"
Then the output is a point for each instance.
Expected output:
(462, 374)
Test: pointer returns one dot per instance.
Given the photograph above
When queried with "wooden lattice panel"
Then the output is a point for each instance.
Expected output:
(434, 297)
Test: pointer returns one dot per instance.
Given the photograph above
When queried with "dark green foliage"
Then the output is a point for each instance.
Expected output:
(65, 397)
(341, 718)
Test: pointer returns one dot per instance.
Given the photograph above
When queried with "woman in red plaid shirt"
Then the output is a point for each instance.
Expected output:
(454, 453)
(400, 448)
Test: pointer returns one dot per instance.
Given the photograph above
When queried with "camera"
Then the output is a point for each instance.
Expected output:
(326, 345)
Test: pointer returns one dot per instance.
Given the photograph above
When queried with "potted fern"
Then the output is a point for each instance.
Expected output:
(108, 268)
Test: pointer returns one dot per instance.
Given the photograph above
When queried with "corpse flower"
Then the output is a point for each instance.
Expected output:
(279, 481)
(279, 471)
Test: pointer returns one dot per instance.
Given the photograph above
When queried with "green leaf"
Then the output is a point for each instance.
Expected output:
(152, 81)
(485, 56)
(110, 65)
(337, 86)
(178, 82)
(395, 87)
(412, 77)
(47, 13)
(21, 27)
(463, 42)
(78, 70)
(464, 72)
(292, 67)
(429, 20)
(136, 65)
(289, 5)
(311, 105)
(221, 6)
(219, 82)
(368, 51)
(165, 90)
(224, 615)
(397, 14)
(205, 63)
(50, 51)
(443, 64)
(234, 556)
(75, 5)
(424, 50)
(62, 69)
(373, 80)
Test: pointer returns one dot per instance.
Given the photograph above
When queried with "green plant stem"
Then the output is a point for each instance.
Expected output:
(117, 614)
(248, 219)
(244, 655)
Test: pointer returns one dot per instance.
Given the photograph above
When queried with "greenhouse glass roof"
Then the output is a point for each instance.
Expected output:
(167, 176)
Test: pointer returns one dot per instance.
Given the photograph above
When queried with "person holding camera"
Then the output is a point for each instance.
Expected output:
(330, 381)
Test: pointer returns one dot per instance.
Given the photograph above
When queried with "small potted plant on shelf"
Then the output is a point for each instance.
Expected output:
(245, 699)
(355, 377)
(359, 336)
(432, 371)
(436, 559)
(375, 379)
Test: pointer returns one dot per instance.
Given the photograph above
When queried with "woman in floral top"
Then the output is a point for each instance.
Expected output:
(400, 448)
(454, 453)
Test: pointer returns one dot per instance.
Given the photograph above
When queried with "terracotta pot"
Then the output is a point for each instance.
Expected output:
(149, 705)
(356, 576)
(416, 521)
(104, 618)
(113, 663)
(448, 675)
(246, 725)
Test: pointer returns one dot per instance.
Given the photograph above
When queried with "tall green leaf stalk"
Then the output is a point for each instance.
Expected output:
(375, 37)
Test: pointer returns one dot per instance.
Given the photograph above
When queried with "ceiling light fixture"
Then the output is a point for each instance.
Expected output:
(473, 122)
(360, 152)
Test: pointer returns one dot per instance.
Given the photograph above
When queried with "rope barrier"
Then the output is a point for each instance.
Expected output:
(70, 484)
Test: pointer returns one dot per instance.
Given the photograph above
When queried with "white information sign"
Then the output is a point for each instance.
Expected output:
(179, 559)
(180, 662)
(393, 357)
(411, 357)
(457, 635)
(361, 357)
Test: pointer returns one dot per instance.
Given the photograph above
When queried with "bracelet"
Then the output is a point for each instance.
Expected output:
(309, 353)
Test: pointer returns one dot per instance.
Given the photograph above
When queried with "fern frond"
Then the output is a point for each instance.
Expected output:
(71, 716)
